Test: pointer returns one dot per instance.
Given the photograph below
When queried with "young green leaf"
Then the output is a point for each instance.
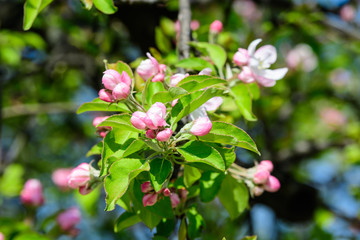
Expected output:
(243, 100)
(120, 66)
(105, 6)
(196, 223)
(216, 53)
(100, 105)
(229, 134)
(195, 63)
(150, 89)
(193, 86)
(210, 183)
(121, 173)
(95, 150)
(126, 220)
(162, 41)
(119, 121)
(190, 102)
(202, 155)
(168, 96)
(234, 196)
(160, 169)
(31, 9)
(191, 175)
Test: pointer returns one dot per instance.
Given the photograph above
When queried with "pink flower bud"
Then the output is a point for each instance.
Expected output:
(148, 68)
(213, 103)
(257, 191)
(125, 78)
(166, 192)
(158, 77)
(272, 185)
(32, 193)
(162, 68)
(205, 71)
(348, 13)
(146, 187)
(164, 135)
(60, 177)
(149, 199)
(241, 57)
(174, 102)
(138, 120)
(69, 218)
(79, 176)
(201, 126)
(158, 108)
(175, 200)
(216, 26)
(246, 75)
(194, 25)
(261, 176)
(2, 236)
(266, 164)
(176, 78)
(99, 120)
(121, 91)
(83, 190)
(154, 121)
(106, 96)
(111, 78)
(150, 134)
(103, 134)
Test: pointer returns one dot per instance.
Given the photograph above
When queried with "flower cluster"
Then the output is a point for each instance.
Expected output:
(151, 197)
(151, 68)
(255, 64)
(263, 180)
(117, 86)
(153, 121)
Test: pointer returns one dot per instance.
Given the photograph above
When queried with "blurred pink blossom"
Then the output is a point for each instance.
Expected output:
(60, 177)
(348, 13)
(32, 193)
(332, 117)
(68, 219)
(302, 57)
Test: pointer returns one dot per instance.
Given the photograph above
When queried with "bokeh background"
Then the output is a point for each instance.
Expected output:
(308, 124)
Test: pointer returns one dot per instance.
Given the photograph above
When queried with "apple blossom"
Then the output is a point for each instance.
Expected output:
(2, 236)
(213, 103)
(246, 75)
(79, 176)
(150, 199)
(175, 200)
(201, 126)
(302, 56)
(150, 134)
(164, 135)
(60, 177)
(266, 164)
(216, 26)
(261, 176)
(106, 96)
(176, 78)
(272, 184)
(121, 91)
(138, 120)
(205, 71)
(69, 218)
(241, 57)
(111, 78)
(32, 193)
(146, 187)
(151, 68)
(166, 192)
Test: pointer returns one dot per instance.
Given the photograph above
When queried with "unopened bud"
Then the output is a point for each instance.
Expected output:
(201, 126)
(164, 135)
(241, 57)
(216, 26)
(111, 78)
(149, 199)
(121, 91)
(106, 96)
(272, 185)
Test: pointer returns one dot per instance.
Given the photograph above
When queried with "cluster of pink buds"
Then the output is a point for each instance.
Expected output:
(79, 178)
(151, 68)
(68, 219)
(102, 131)
(255, 64)
(151, 197)
(263, 179)
(32, 193)
(117, 86)
(153, 121)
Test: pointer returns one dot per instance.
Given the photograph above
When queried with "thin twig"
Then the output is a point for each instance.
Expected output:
(185, 31)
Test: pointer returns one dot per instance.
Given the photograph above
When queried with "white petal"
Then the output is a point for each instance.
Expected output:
(275, 74)
(252, 46)
(266, 55)
(213, 103)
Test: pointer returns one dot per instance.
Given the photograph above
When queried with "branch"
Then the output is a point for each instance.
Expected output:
(33, 109)
(185, 31)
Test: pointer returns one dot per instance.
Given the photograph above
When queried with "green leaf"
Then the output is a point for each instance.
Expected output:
(31, 9)
(118, 143)
(200, 83)
(254, 91)
(159, 172)
(228, 154)
(162, 41)
(182, 230)
(105, 6)
(95, 150)
(191, 175)
(127, 219)
(121, 173)
(100, 105)
(202, 155)
(120, 121)
(229, 134)
(125, 202)
(165, 227)
(243, 100)
(150, 89)
(120, 66)
(190, 102)
(168, 96)
(87, 4)
(234, 196)
(11, 182)
(196, 223)
(30, 235)
(216, 53)
(210, 183)
(194, 63)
